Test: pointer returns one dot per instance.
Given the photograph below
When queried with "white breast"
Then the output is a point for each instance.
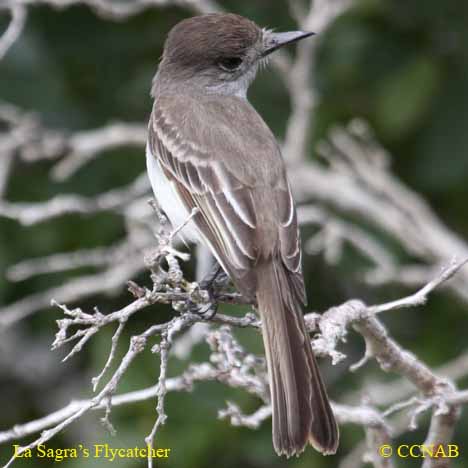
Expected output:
(168, 198)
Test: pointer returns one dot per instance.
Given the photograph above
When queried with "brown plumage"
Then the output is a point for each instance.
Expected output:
(229, 35)
(217, 154)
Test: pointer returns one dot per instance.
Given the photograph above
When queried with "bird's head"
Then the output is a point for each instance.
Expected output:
(219, 53)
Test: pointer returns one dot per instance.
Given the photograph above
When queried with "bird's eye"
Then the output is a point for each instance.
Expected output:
(230, 64)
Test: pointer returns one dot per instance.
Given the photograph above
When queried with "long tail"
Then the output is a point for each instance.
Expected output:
(301, 410)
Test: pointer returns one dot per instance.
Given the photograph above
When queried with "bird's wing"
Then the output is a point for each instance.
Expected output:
(205, 147)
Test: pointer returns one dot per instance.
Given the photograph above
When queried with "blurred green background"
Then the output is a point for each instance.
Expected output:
(403, 66)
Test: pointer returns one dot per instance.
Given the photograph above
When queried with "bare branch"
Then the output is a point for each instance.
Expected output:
(163, 349)
(14, 29)
(32, 213)
(440, 434)
(299, 75)
(358, 182)
(234, 367)
(109, 281)
(115, 340)
(420, 297)
(85, 146)
(121, 10)
(56, 263)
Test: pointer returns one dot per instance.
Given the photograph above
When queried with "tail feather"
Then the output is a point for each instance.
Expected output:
(300, 406)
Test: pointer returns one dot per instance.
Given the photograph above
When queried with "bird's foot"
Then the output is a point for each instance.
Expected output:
(213, 284)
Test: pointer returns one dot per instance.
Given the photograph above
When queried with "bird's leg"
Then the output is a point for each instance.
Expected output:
(209, 279)
(214, 282)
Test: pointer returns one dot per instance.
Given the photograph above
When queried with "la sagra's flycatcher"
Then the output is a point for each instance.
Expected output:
(208, 148)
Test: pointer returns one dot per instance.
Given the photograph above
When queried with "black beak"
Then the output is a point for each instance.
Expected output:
(273, 41)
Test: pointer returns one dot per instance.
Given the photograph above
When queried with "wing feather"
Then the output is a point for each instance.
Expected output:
(228, 196)
(227, 215)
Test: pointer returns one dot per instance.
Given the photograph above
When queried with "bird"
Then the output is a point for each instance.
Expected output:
(211, 154)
